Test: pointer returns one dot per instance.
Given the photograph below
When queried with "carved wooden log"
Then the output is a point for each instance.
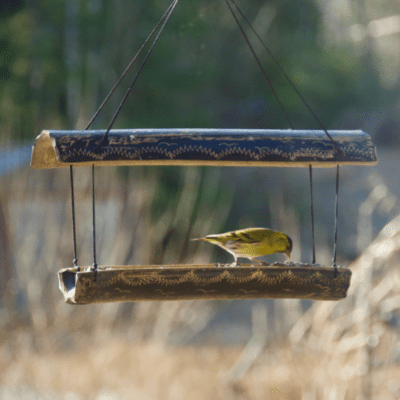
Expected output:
(212, 147)
(201, 282)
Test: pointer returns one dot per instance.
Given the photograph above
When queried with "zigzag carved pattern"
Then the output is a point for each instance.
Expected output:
(215, 148)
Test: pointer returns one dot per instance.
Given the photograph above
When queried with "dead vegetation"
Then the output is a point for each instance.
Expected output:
(48, 349)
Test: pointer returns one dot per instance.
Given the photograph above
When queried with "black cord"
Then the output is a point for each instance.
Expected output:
(128, 68)
(259, 64)
(168, 14)
(336, 220)
(165, 17)
(94, 227)
(285, 75)
(338, 149)
(71, 175)
(312, 215)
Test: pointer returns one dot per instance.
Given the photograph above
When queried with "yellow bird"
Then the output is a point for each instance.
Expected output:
(251, 243)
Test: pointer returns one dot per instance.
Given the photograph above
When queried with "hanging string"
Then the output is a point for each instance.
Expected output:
(71, 176)
(259, 64)
(75, 260)
(168, 14)
(276, 96)
(94, 226)
(337, 148)
(312, 215)
(165, 17)
(336, 220)
(128, 67)
(283, 72)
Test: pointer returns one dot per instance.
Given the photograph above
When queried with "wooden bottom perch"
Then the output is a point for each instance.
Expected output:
(203, 282)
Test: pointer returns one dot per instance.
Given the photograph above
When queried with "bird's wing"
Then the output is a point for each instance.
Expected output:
(252, 235)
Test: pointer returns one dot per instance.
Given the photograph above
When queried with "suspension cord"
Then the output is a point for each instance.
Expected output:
(312, 215)
(75, 260)
(336, 220)
(259, 64)
(283, 73)
(94, 226)
(336, 146)
(128, 67)
(168, 14)
(284, 111)
(165, 17)
(71, 176)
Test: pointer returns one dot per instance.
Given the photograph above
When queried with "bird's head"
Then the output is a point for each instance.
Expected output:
(289, 247)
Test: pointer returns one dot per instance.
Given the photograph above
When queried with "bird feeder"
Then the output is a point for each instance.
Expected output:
(203, 147)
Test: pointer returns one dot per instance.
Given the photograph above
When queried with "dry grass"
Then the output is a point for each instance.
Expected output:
(335, 350)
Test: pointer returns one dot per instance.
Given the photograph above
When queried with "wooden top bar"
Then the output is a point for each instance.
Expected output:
(203, 147)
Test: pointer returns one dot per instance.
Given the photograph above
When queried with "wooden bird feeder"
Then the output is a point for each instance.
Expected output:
(202, 147)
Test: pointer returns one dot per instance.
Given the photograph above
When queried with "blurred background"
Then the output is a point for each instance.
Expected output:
(59, 59)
